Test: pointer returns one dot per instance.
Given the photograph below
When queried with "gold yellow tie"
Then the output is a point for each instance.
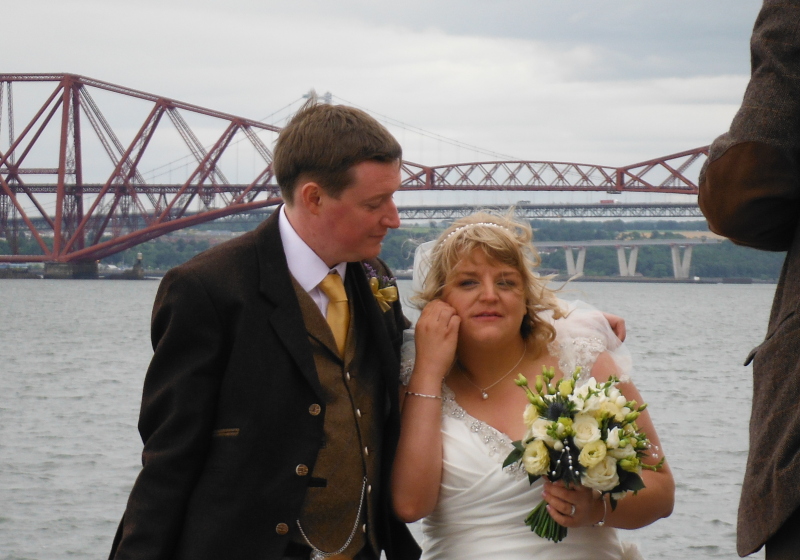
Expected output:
(338, 310)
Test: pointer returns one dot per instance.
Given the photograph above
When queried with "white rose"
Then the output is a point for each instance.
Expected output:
(586, 429)
(622, 452)
(603, 476)
(536, 458)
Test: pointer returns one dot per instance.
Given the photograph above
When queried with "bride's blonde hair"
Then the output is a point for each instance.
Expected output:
(503, 240)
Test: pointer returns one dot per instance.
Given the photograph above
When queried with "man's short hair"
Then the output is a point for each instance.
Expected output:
(323, 142)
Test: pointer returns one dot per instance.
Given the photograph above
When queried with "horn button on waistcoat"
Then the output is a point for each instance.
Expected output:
(301, 470)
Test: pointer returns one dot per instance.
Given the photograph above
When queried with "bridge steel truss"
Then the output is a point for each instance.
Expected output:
(662, 175)
(93, 220)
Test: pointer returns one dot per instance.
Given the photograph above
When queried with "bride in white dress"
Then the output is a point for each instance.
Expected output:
(486, 319)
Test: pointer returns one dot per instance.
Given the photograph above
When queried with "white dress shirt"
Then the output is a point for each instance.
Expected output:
(304, 264)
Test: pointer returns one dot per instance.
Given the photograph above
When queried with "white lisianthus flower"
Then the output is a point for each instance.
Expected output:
(592, 404)
(581, 392)
(603, 476)
(613, 393)
(530, 415)
(538, 430)
(592, 454)
(622, 452)
(583, 397)
(612, 440)
(577, 402)
(586, 429)
(536, 458)
(621, 401)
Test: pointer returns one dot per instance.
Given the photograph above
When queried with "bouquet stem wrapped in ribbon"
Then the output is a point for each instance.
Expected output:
(583, 435)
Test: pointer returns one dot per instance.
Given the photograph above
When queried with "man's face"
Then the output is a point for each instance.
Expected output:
(354, 225)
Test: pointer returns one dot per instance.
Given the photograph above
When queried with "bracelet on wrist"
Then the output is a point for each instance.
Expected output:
(605, 512)
(423, 395)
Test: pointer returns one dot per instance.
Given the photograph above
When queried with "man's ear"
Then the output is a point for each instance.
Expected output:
(309, 195)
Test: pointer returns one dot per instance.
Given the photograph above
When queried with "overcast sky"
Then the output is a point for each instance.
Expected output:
(610, 83)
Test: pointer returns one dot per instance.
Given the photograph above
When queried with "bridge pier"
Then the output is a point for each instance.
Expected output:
(70, 270)
(573, 267)
(680, 266)
(627, 266)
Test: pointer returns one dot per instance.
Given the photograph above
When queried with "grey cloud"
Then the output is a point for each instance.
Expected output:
(633, 38)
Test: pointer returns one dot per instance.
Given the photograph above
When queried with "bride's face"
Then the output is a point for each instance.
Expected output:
(488, 297)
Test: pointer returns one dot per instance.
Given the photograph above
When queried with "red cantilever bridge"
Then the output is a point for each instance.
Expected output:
(75, 188)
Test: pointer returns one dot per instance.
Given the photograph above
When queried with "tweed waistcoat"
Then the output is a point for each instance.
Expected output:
(351, 449)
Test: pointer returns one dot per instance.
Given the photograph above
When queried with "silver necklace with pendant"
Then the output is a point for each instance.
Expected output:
(483, 390)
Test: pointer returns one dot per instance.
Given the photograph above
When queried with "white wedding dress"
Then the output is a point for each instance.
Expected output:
(481, 509)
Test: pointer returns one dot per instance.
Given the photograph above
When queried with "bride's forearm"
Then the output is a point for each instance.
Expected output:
(652, 503)
(417, 469)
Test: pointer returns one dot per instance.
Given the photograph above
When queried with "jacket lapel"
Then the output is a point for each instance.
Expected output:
(275, 283)
(375, 325)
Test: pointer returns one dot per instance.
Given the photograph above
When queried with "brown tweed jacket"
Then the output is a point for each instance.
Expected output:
(750, 192)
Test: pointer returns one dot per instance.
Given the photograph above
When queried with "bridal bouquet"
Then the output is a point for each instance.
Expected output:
(583, 435)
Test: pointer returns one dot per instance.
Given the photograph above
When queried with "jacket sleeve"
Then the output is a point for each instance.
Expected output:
(178, 406)
(749, 187)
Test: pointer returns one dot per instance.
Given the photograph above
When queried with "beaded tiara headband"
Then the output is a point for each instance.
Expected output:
(468, 226)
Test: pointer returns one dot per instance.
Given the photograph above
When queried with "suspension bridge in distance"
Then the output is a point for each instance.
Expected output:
(81, 189)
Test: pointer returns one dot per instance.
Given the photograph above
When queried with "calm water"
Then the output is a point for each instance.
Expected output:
(73, 356)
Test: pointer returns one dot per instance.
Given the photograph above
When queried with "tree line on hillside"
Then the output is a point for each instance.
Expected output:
(723, 260)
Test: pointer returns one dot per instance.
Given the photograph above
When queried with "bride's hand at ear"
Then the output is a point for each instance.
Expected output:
(436, 337)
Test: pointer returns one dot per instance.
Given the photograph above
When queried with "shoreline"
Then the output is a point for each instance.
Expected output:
(24, 274)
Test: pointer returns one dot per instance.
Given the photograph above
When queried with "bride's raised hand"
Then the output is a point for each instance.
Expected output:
(577, 506)
(436, 337)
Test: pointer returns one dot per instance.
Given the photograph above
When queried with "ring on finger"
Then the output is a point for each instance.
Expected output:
(572, 511)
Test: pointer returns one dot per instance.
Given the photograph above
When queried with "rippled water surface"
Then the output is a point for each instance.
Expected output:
(73, 356)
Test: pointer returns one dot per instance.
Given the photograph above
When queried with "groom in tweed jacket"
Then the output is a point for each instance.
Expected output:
(750, 192)
(263, 437)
